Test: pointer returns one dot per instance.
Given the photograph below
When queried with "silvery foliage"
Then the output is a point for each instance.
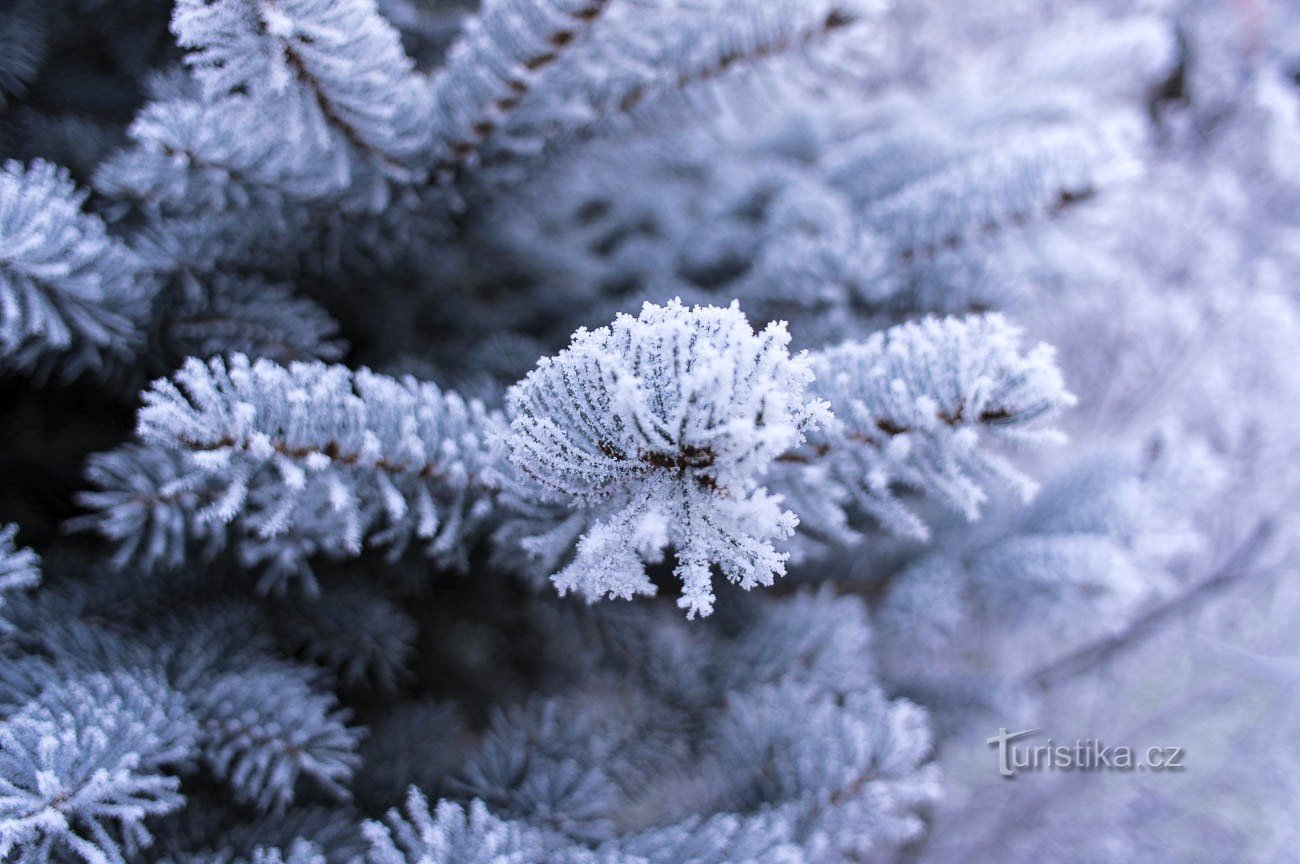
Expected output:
(916, 406)
(472, 835)
(656, 431)
(19, 567)
(887, 207)
(68, 289)
(86, 762)
(251, 317)
(542, 788)
(337, 66)
(101, 723)
(683, 411)
(300, 852)
(320, 455)
(680, 413)
(809, 249)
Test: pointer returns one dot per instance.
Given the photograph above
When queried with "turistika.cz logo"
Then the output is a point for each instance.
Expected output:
(1084, 754)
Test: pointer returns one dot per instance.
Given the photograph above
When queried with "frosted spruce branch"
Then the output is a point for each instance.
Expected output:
(300, 851)
(268, 726)
(910, 214)
(337, 60)
(464, 198)
(265, 728)
(647, 57)
(68, 290)
(104, 719)
(190, 156)
(1026, 575)
(656, 432)
(337, 457)
(253, 317)
(450, 833)
(149, 502)
(83, 765)
(455, 834)
(798, 751)
(1237, 566)
(672, 430)
(498, 59)
(916, 407)
(774, 31)
(20, 568)
(953, 228)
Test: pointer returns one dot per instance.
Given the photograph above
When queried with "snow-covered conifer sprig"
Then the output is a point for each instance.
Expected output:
(191, 156)
(850, 772)
(251, 316)
(83, 766)
(19, 567)
(652, 434)
(300, 851)
(497, 60)
(913, 405)
(734, 43)
(803, 757)
(66, 286)
(656, 430)
(265, 728)
(651, 62)
(994, 188)
(451, 833)
(148, 502)
(335, 455)
(339, 60)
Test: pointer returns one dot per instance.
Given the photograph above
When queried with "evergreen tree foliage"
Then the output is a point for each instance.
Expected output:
(676, 414)
(22, 36)
(19, 567)
(329, 458)
(338, 67)
(913, 402)
(645, 431)
(84, 766)
(67, 287)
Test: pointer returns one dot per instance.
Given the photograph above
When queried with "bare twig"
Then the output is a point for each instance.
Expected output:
(1092, 656)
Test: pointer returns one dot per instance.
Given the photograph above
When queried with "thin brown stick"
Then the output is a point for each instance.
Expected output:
(1093, 656)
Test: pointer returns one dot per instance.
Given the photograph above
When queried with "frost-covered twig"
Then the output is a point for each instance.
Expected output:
(916, 406)
(1236, 567)
(68, 289)
(498, 59)
(334, 456)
